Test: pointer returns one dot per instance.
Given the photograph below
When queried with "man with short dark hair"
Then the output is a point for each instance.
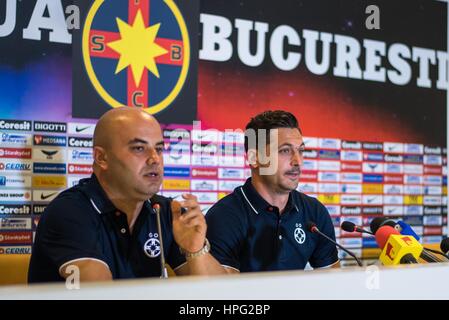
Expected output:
(106, 226)
(261, 225)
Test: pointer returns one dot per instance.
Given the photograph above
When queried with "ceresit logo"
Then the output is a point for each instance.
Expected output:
(81, 142)
(15, 125)
(148, 55)
(15, 209)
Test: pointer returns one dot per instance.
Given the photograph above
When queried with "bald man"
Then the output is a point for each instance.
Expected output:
(106, 227)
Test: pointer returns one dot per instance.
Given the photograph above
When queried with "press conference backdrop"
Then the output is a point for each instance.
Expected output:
(371, 101)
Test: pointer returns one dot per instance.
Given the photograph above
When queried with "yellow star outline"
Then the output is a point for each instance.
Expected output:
(137, 47)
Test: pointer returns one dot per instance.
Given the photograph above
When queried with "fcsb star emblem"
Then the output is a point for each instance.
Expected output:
(136, 52)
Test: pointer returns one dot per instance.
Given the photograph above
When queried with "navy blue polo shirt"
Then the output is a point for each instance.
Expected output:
(82, 222)
(248, 234)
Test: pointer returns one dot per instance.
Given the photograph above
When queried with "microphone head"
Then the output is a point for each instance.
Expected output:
(378, 222)
(348, 226)
(156, 206)
(444, 245)
(383, 233)
(310, 226)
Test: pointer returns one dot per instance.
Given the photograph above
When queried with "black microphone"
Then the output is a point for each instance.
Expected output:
(378, 222)
(311, 226)
(348, 226)
(444, 246)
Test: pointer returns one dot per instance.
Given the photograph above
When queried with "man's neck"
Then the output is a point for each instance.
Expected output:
(276, 199)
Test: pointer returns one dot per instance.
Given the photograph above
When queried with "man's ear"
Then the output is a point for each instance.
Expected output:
(100, 157)
(252, 158)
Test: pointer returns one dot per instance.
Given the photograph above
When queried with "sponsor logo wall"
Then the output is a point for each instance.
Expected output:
(355, 180)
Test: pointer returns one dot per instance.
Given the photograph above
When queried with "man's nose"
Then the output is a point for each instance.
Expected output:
(154, 157)
(297, 158)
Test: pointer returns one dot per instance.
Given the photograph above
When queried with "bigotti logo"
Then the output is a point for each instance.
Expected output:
(15, 125)
(14, 166)
(50, 127)
(81, 142)
(17, 209)
(39, 209)
(16, 153)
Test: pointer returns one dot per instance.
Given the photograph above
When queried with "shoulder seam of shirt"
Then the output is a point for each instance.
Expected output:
(244, 195)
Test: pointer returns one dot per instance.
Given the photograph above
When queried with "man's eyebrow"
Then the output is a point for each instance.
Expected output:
(137, 140)
(302, 145)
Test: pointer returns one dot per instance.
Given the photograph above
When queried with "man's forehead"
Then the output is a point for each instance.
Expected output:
(289, 135)
(148, 131)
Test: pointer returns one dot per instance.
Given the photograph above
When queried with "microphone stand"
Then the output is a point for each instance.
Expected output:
(157, 211)
(316, 230)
